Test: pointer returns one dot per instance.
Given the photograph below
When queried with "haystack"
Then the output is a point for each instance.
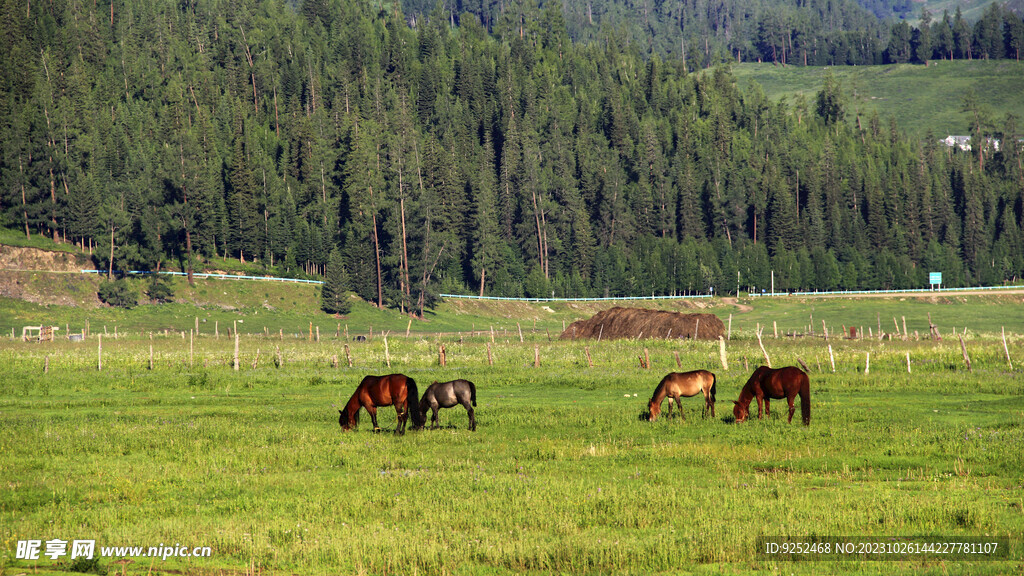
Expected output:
(642, 323)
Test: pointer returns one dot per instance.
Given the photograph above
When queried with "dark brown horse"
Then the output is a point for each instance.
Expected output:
(767, 383)
(396, 390)
(677, 385)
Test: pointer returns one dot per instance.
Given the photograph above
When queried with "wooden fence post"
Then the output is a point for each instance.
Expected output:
(235, 362)
(831, 358)
(536, 356)
(799, 360)
(348, 356)
(908, 362)
(387, 354)
(867, 364)
(490, 360)
(1007, 350)
(590, 363)
(99, 352)
(767, 360)
(441, 355)
(520, 331)
(721, 353)
(967, 359)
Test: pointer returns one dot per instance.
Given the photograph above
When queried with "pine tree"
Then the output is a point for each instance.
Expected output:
(334, 293)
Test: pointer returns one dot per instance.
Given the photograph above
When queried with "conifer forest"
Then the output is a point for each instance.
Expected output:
(512, 148)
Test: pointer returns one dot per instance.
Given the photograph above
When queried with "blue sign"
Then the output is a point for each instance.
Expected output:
(935, 278)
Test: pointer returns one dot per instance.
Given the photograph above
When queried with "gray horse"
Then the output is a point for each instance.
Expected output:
(447, 394)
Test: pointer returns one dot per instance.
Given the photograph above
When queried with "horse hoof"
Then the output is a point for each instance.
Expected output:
(376, 430)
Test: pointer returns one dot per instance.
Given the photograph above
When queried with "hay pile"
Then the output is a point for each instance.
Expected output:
(642, 323)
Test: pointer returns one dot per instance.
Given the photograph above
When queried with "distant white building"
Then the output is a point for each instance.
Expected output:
(964, 142)
(961, 142)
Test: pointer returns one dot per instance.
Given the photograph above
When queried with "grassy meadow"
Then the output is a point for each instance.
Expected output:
(561, 476)
(923, 100)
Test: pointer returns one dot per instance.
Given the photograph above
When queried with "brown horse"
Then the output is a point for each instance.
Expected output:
(396, 390)
(683, 384)
(767, 383)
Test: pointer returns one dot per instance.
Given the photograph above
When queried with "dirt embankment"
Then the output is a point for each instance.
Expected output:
(16, 258)
(46, 277)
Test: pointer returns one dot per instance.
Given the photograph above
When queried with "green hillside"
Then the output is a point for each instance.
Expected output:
(922, 99)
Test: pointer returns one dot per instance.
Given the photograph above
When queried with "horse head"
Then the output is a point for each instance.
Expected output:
(653, 409)
(345, 421)
(740, 411)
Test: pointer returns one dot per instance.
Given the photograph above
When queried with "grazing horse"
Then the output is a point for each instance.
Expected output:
(396, 390)
(677, 385)
(448, 394)
(767, 383)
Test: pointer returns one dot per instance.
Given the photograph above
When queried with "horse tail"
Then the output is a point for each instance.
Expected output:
(714, 384)
(805, 399)
(413, 400)
(472, 392)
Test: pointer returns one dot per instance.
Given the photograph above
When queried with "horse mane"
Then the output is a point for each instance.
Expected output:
(660, 388)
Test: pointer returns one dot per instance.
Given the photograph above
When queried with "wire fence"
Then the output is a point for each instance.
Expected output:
(594, 299)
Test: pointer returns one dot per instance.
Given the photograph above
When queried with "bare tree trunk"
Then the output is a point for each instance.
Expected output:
(376, 250)
(405, 246)
(110, 268)
(24, 204)
(536, 217)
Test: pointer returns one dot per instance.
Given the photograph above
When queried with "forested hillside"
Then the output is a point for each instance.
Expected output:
(792, 32)
(442, 158)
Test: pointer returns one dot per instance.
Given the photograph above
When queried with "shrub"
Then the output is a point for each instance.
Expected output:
(118, 293)
(160, 290)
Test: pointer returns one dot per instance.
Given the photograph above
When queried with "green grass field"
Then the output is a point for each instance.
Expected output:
(561, 477)
(922, 99)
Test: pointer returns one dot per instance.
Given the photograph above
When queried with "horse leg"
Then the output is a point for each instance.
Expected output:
(403, 415)
(679, 403)
(472, 415)
(435, 423)
(761, 404)
(792, 408)
(767, 408)
(373, 417)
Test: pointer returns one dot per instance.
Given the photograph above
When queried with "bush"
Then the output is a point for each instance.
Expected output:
(160, 290)
(118, 293)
